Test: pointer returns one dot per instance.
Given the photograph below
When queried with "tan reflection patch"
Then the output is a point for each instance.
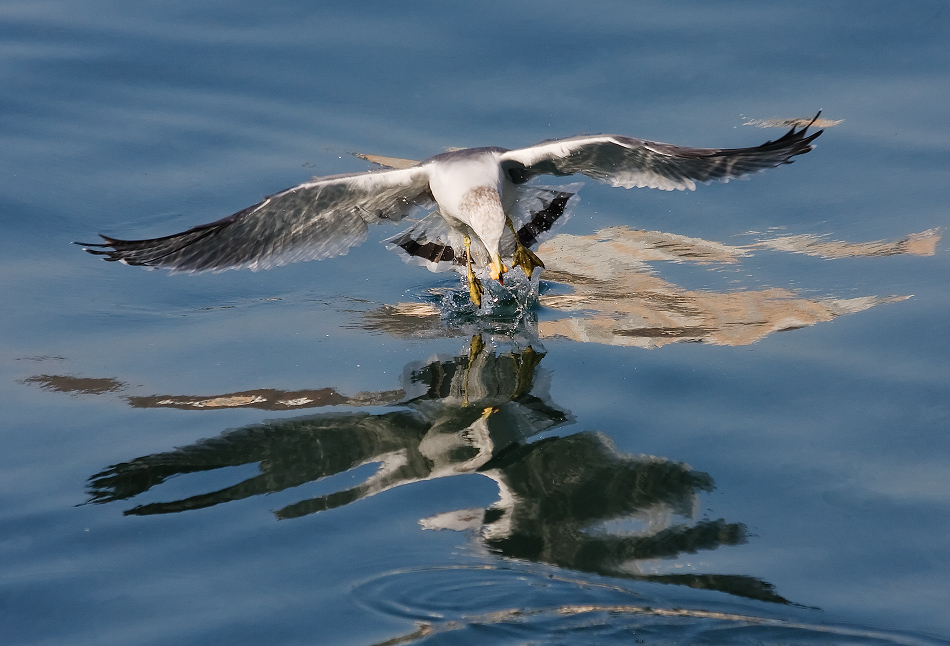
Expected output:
(916, 244)
(791, 123)
(220, 402)
(615, 301)
(388, 162)
(615, 297)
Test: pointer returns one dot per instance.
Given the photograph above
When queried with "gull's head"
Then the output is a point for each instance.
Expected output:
(486, 216)
(466, 185)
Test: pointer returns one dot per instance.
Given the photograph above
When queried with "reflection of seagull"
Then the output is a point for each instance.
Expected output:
(482, 216)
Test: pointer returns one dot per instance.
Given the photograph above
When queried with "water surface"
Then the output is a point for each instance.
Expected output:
(723, 419)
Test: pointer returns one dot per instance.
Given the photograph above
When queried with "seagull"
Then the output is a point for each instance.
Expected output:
(487, 215)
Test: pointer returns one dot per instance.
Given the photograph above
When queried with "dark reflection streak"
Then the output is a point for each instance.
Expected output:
(474, 414)
(564, 486)
(269, 399)
(77, 385)
(290, 453)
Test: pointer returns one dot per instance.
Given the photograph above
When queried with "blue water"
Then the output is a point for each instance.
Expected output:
(739, 436)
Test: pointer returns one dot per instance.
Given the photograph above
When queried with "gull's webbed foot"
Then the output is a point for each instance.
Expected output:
(475, 289)
(526, 259)
(523, 257)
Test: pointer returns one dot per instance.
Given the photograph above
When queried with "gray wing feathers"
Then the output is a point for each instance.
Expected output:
(315, 220)
(628, 162)
(430, 243)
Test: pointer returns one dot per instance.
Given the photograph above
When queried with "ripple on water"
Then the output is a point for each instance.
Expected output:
(492, 605)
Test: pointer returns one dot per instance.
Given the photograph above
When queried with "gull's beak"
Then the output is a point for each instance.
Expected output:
(497, 269)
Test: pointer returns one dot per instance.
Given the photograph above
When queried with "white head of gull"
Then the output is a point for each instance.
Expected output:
(487, 217)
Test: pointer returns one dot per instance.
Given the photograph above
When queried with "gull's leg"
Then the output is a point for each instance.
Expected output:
(475, 289)
(523, 257)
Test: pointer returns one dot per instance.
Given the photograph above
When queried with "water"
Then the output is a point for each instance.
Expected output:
(729, 428)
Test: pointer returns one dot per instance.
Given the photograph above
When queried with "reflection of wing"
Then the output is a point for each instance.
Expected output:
(460, 411)
(290, 452)
(628, 162)
(549, 519)
(314, 220)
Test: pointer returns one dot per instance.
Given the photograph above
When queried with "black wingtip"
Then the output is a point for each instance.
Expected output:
(110, 253)
(88, 248)
(813, 121)
(810, 124)
(799, 138)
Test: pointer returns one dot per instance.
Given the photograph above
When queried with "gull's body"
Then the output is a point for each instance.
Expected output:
(469, 187)
(486, 217)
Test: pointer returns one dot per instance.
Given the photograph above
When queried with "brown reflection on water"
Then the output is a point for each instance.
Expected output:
(386, 162)
(75, 385)
(263, 398)
(915, 244)
(795, 122)
(618, 301)
(615, 298)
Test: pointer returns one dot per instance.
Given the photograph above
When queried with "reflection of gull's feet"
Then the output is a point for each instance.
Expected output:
(475, 289)
(524, 257)
(475, 349)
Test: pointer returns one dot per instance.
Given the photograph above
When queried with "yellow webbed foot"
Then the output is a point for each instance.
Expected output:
(475, 289)
(526, 259)
(523, 257)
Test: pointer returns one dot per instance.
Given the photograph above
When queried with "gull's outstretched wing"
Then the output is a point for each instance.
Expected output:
(315, 220)
(628, 162)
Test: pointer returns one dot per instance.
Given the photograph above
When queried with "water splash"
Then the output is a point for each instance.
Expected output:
(508, 309)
